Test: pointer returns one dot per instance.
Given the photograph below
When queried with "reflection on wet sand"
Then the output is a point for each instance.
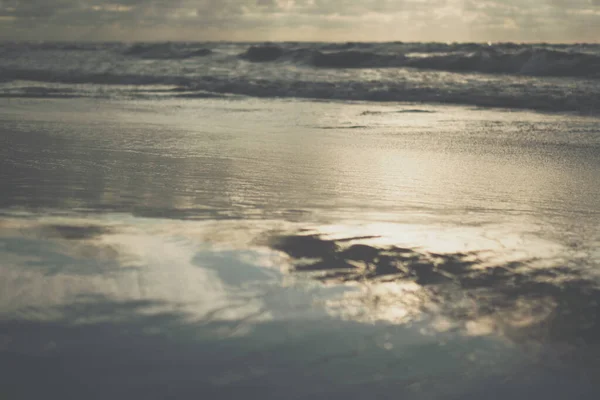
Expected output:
(519, 300)
(51, 261)
(142, 253)
(100, 348)
(122, 306)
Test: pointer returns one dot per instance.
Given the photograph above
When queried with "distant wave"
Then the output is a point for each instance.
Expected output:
(164, 51)
(535, 62)
(263, 53)
(502, 59)
(403, 72)
(356, 59)
(61, 46)
(323, 59)
(578, 61)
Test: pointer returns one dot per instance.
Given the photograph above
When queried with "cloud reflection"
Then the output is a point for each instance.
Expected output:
(204, 308)
(53, 261)
(461, 291)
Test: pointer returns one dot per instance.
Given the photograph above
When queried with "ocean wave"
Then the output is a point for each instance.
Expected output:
(356, 59)
(263, 53)
(323, 59)
(82, 77)
(317, 70)
(519, 95)
(57, 46)
(165, 51)
(503, 58)
(535, 62)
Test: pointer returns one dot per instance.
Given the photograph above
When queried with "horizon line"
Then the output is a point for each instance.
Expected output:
(489, 42)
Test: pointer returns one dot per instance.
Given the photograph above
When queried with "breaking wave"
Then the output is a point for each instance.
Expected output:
(262, 53)
(562, 78)
(323, 59)
(504, 59)
(535, 62)
(517, 95)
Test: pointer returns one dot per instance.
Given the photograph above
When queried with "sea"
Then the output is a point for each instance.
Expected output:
(299, 220)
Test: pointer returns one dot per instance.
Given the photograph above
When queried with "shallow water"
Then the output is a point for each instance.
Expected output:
(276, 248)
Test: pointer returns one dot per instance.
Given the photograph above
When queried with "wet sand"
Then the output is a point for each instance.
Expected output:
(231, 248)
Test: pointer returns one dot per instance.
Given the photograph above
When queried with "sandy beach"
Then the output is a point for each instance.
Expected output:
(229, 247)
